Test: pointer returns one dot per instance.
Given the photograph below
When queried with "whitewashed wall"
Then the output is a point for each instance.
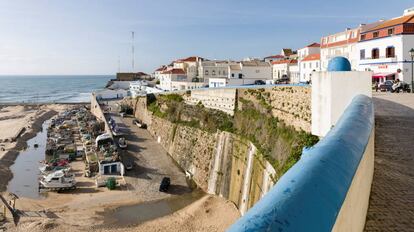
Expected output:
(331, 94)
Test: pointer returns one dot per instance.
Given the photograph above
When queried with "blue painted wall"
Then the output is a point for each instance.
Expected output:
(310, 195)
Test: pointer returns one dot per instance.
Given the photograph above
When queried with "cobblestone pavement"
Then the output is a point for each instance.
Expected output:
(391, 206)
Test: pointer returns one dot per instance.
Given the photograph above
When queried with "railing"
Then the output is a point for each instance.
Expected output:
(328, 188)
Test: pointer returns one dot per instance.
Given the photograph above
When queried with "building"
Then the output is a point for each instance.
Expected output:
(243, 73)
(176, 79)
(283, 69)
(141, 88)
(340, 44)
(189, 65)
(213, 69)
(308, 65)
(307, 61)
(273, 58)
(132, 76)
(384, 49)
(313, 48)
(158, 71)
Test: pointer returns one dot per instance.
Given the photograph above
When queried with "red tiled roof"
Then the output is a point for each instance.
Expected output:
(190, 59)
(162, 68)
(275, 56)
(312, 57)
(285, 62)
(142, 74)
(394, 22)
(313, 45)
(174, 71)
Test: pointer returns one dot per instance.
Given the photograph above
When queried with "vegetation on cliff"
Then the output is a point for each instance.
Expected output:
(279, 143)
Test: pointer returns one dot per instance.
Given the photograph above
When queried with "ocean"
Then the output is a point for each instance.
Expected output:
(50, 89)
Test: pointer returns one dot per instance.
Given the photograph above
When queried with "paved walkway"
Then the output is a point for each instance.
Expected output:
(391, 206)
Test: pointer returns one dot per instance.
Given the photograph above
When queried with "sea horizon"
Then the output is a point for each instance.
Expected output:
(18, 89)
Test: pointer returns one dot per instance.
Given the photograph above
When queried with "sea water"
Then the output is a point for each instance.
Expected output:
(50, 89)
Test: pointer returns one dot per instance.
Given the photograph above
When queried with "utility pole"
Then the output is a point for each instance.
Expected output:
(133, 52)
(119, 64)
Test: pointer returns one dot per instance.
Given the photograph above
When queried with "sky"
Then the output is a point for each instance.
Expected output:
(89, 37)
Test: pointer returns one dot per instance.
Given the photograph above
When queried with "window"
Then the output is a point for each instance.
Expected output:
(232, 75)
(310, 65)
(206, 72)
(362, 54)
(375, 53)
(304, 65)
(257, 71)
(375, 34)
(317, 64)
(391, 31)
(362, 37)
(214, 72)
(240, 76)
(390, 52)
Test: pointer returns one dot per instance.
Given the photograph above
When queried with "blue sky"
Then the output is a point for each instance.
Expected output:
(87, 36)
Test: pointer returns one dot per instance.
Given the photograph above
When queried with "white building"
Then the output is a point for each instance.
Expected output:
(243, 73)
(169, 76)
(159, 70)
(273, 58)
(340, 44)
(213, 69)
(308, 61)
(189, 65)
(384, 49)
(285, 69)
(314, 48)
(308, 65)
(141, 88)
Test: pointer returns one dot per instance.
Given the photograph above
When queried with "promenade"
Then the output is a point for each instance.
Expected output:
(391, 206)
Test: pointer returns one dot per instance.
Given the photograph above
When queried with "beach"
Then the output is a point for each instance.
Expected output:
(90, 208)
(18, 124)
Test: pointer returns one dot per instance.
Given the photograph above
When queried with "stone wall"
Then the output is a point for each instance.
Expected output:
(219, 99)
(220, 163)
(292, 104)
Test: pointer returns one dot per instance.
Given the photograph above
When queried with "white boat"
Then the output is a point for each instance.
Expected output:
(58, 180)
(47, 169)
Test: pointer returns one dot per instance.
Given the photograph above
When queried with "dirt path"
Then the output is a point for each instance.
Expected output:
(391, 206)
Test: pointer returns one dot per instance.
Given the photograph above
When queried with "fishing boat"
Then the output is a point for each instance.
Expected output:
(57, 181)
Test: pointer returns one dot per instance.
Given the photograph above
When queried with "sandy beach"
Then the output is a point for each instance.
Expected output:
(89, 208)
(17, 125)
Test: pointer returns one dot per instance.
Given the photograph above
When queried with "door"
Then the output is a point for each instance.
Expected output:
(114, 168)
(107, 169)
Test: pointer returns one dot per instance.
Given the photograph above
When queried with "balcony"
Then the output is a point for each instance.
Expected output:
(381, 59)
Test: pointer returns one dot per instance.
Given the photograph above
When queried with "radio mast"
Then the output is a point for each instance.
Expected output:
(133, 52)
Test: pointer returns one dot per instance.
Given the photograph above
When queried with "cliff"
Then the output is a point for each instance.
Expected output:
(238, 157)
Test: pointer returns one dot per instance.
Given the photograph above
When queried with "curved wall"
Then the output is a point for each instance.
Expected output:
(328, 189)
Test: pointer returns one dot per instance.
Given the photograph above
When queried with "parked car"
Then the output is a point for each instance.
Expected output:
(129, 166)
(284, 80)
(386, 86)
(259, 82)
(140, 124)
(165, 184)
(122, 143)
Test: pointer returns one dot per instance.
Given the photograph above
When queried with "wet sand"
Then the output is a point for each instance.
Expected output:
(17, 125)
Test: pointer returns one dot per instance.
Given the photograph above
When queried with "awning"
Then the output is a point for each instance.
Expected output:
(382, 75)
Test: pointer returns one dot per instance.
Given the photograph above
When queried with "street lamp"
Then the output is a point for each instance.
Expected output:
(412, 69)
